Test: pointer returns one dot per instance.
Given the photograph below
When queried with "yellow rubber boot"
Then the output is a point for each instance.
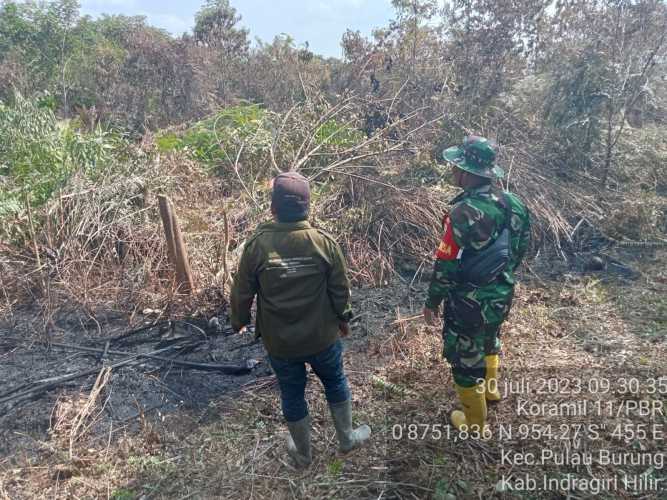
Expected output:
(491, 379)
(474, 409)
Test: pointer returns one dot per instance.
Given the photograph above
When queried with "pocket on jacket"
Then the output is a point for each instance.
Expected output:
(464, 312)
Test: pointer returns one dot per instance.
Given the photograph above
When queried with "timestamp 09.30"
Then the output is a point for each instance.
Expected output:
(594, 385)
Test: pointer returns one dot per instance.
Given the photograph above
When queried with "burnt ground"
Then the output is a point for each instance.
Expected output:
(164, 431)
(144, 390)
(143, 387)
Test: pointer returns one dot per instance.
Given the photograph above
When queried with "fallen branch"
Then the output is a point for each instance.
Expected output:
(405, 320)
(79, 426)
(160, 324)
(223, 368)
(44, 385)
(129, 333)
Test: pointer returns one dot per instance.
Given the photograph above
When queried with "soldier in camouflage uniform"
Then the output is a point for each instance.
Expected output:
(473, 314)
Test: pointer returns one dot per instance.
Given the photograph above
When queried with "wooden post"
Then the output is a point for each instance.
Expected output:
(178, 254)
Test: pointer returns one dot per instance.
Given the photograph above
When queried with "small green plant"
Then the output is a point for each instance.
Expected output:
(595, 292)
(218, 139)
(123, 494)
(443, 491)
(335, 468)
(167, 142)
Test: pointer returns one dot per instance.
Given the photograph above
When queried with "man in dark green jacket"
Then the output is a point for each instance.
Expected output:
(298, 274)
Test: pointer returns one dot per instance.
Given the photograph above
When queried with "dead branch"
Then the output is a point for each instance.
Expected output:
(222, 368)
(41, 386)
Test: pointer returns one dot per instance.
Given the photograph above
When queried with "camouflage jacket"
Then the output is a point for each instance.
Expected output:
(476, 219)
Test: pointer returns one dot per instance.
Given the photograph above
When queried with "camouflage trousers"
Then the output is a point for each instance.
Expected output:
(471, 332)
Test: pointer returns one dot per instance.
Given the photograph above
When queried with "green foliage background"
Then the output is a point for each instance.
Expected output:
(572, 90)
(39, 153)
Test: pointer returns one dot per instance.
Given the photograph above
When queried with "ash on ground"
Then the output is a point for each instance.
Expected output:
(199, 363)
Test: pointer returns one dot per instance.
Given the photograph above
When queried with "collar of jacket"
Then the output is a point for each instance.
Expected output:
(285, 226)
(484, 190)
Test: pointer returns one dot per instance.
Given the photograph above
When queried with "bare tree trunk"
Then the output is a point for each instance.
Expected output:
(414, 39)
(178, 254)
(609, 146)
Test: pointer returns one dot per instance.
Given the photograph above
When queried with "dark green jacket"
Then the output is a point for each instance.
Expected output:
(298, 274)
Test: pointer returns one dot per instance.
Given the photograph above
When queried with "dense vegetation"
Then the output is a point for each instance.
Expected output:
(98, 116)
(574, 91)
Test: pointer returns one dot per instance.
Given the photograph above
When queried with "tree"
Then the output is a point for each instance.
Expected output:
(41, 35)
(490, 44)
(224, 47)
(411, 16)
(216, 27)
(602, 61)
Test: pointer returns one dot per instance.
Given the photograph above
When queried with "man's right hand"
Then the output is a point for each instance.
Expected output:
(344, 329)
(431, 315)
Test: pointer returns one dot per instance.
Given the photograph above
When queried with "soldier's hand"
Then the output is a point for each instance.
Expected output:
(431, 315)
(344, 329)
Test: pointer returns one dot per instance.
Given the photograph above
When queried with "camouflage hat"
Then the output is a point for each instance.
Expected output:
(476, 155)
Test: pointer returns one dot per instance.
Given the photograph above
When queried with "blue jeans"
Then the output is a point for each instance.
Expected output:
(292, 379)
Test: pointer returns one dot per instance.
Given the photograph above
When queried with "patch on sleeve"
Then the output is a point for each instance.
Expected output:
(448, 249)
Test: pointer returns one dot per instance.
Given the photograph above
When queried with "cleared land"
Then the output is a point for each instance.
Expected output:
(580, 354)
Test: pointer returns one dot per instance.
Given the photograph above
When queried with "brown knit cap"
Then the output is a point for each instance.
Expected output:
(290, 199)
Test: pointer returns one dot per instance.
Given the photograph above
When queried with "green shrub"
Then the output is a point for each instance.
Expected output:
(236, 143)
(167, 142)
(39, 153)
(333, 133)
(123, 494)
(217, 139)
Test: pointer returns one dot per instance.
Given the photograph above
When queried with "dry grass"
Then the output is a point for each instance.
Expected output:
(101, 248)
(235, 449)
(73, 417)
